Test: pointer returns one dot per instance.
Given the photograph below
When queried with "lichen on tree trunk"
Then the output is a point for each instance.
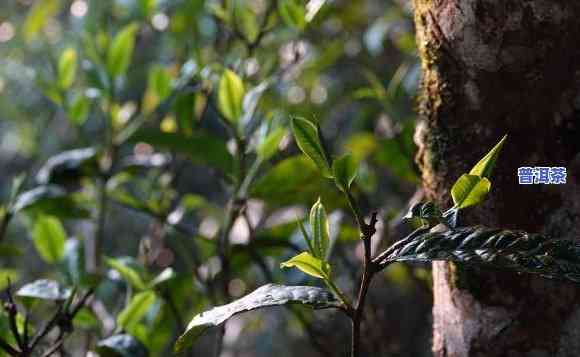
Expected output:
(495, 67)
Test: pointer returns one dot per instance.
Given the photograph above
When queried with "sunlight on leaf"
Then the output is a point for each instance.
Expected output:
(469, 190)
(308, 264)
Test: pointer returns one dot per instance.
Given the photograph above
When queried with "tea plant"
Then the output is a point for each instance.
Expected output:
(438, 238)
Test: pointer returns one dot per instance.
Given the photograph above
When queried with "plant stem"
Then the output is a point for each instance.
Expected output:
(369, 269)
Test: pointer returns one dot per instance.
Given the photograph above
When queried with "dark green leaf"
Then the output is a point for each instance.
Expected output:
(306, 136)
(74, 262)
(121, 346)
(68, 165)
(78, 110)
(201, 148)
(51, 200)
(497, 248)
(294, 180)
(265, 296)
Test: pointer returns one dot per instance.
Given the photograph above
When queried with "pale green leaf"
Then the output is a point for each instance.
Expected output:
(269, 146)
(469, 190)
(159, 82)
(306, 136)
(67, 68)
(309, 264)
(320, 229)
(246, 19)
(38, 16)
(344, 170)
(49, 238)
(128, 273)
(485, 166)
(293, 13)
(136, 309)
(121, 50)
(230, 96)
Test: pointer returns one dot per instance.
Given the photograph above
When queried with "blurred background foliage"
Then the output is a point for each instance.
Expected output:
(154, 126)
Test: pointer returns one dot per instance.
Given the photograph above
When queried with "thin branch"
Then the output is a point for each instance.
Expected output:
(12, 311)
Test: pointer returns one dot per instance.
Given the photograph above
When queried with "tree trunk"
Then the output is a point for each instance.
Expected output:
(495, 67)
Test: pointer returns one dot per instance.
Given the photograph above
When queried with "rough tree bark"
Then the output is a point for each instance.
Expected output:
(492, 67)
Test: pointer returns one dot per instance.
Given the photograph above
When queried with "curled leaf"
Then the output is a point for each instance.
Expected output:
(265, 296)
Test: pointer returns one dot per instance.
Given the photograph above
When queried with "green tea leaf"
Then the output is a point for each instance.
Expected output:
(269, 146)
(265, 296)
(293, 13)
(49, 238)
(485, 166)
(469, 190)
(78, 110)
(309, 264)
(38, 16)
(344, 170)
(247, 20)
(158, 87)
(121, 50)
(67, 68)
(306, 136)
(136, 309)
(320, 229)
(128, 272)
(230, 96)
